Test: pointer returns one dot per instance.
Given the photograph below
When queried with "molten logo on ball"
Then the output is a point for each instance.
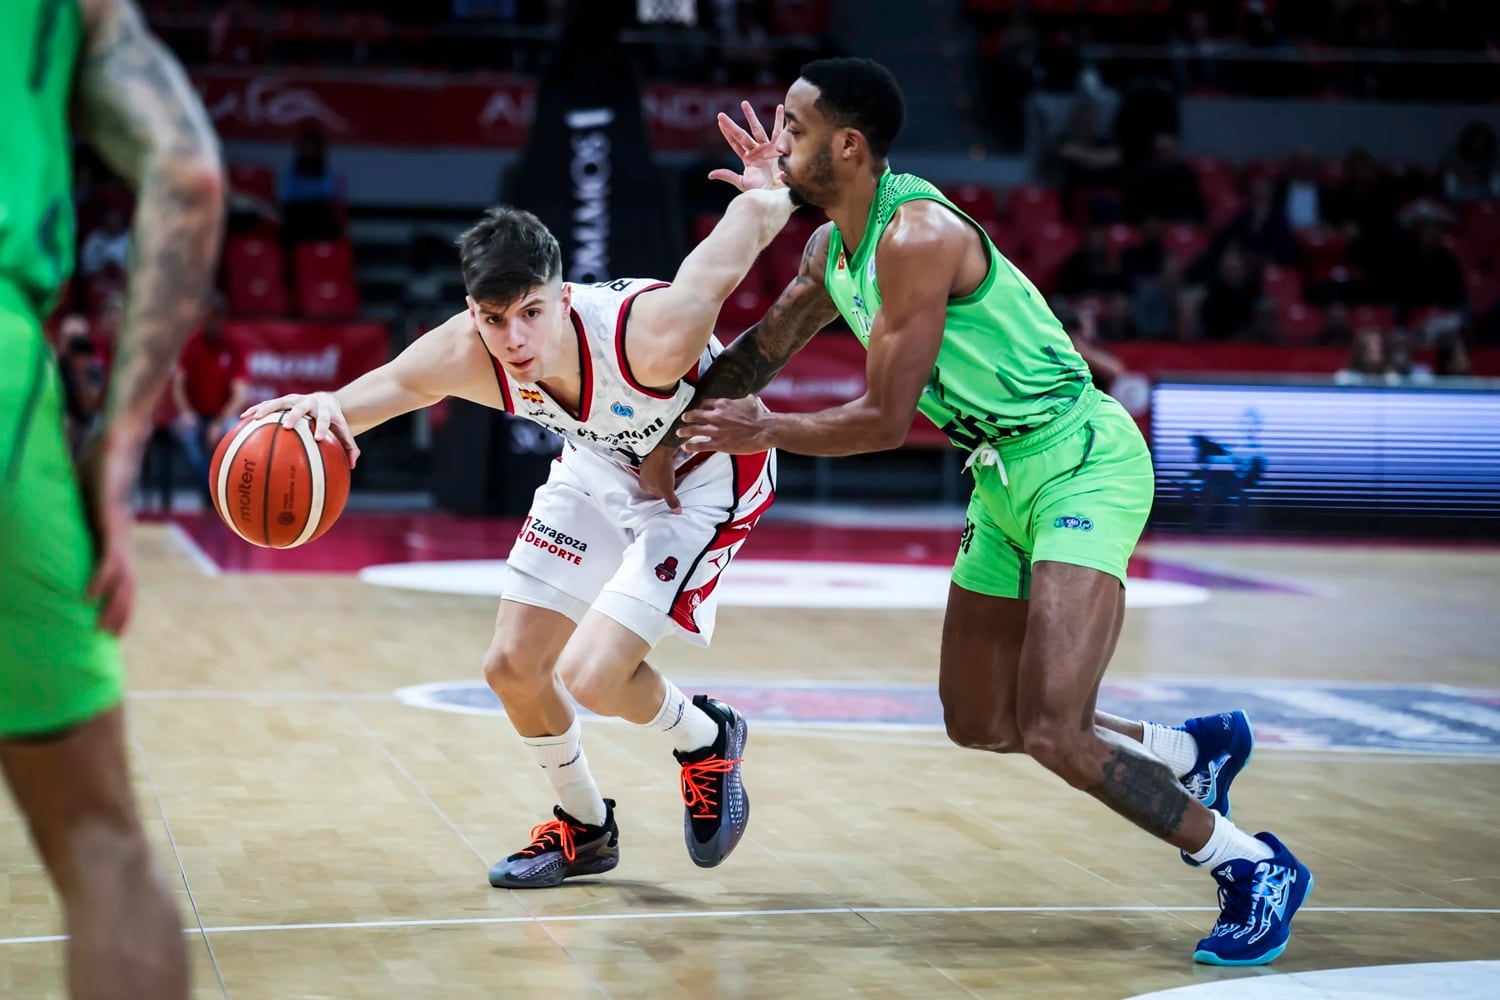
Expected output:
(247, 479)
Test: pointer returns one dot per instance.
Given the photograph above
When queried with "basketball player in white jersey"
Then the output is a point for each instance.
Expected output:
(601, 571)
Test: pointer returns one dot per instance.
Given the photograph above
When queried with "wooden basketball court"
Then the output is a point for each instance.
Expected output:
(329, 839)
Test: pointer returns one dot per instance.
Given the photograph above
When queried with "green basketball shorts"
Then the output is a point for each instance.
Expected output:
(57, 668)
(1077, 491)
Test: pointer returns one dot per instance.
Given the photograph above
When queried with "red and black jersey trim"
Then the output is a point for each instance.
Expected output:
(744, 469)
(620, 356)
(586, 371)
(500, 378)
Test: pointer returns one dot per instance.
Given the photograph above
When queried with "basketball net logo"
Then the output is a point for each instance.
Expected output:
(666, 570)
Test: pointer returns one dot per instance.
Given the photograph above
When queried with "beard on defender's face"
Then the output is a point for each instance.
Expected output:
(813, 183)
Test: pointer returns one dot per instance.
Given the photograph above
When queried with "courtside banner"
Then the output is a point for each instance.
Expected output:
(308, 357)
(416, 109)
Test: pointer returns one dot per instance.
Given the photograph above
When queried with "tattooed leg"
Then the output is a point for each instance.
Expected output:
(1072, 625)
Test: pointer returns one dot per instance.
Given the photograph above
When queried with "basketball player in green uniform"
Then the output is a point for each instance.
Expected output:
(66, 578)
(1063, 480)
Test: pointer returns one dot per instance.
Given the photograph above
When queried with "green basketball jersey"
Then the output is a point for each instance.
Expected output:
(39, 46)
(1006, 365)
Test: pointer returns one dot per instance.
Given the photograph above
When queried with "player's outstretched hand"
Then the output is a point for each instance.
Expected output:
(106, 473)
(754, 148)
(733, 426)
(658, 475)
(322, 408)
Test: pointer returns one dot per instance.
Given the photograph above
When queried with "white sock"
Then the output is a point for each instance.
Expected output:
(1228, 843)
(690, 727)
(1176, 747)
(567, 769)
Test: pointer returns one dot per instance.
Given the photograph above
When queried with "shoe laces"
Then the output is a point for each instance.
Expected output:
(551, 836)
(699, 785)
(1236, 900)
(1197, 785)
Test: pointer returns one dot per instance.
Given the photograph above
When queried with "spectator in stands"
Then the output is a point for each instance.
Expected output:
(1364, 210)
(1450, 356)
(1079, 324)
(107, 326)
(1336, 328)
(1302, 193)
(1401, 365)
(1083, 158)
(1166, 187)
(1429, 274)
(1367, 358)
(82, 374)
(106, 248)
(208, 388)
(309, 191)
(1094, 268)
(1157, 301)
(1229, 310)
(1471, 171)
(1262, 228)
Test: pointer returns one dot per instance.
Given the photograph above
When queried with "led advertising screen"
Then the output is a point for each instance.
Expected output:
(1314, 456)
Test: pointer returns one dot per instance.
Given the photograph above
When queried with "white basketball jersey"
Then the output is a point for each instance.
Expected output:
(618, 418)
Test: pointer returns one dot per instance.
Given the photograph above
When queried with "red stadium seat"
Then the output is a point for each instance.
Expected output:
(976, 200)
(1223, 207)
(745, 305)
(1051, 245)
(255, 283)
(1031, 207)
(1006, 240)
(1281, 285)
(1484, 289)
(1320, 250)
(1299, 323)
(325, 279)
(1215, 174)
(1481, 234)
(1256, 169)
(703, 224)
(1382, 318)
(1123, 237)
(1185, 242)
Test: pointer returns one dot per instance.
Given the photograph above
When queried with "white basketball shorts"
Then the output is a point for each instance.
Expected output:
(596, 537)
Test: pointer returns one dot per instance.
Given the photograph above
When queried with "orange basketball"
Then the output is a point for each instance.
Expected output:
(276, 486)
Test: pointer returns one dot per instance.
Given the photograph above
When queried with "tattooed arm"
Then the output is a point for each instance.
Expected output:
(748, 365)
(133, 104)
(136, 108)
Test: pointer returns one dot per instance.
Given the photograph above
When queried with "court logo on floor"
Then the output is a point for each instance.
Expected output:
(1336, 718)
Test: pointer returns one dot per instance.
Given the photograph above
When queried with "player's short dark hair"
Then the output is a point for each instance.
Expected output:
(859, 94)
(507, 253)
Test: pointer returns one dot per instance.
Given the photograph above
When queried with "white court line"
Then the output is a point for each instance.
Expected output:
(185, 544)
(581, 918)
(884, 733)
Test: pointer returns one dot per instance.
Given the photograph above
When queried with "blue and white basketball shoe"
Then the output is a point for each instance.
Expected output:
(1257, 900)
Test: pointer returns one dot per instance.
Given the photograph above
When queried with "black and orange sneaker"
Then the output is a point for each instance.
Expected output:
(561, 848)
(717, 807)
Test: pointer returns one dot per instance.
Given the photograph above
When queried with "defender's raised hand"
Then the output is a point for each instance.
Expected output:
(754, 148)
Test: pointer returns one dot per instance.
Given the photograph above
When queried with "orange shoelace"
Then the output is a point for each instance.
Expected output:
(698, 785)
(549, 835)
